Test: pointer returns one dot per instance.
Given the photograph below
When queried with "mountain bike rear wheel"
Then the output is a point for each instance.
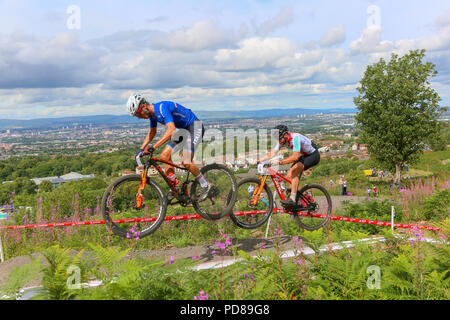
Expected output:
(248, 214)
(222, 196)
(120, 212)
(315, 207)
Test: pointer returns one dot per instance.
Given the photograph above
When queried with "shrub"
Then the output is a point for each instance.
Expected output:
(436, 207)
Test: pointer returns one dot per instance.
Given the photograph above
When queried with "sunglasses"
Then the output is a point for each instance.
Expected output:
(138, 112)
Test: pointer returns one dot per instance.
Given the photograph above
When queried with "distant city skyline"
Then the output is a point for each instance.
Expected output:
(78, 58)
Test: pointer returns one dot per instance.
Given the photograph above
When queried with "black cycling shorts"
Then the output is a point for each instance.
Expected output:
(189, 138)
(309, 160)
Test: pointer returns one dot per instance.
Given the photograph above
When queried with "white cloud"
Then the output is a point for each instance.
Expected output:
(284, 18)
(256, 53)
(443, 20)
(202, 35)
(309, 57)
(335, 35)
(57, 61)
(370, 41)
(439, 41)
(163, 69)
(202, 65)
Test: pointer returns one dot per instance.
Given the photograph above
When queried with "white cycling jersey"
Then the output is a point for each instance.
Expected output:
(298, 142)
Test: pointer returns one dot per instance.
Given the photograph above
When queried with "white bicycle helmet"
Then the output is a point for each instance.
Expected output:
(134, 103)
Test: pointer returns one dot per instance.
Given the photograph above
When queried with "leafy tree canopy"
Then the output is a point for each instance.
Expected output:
(398, 109)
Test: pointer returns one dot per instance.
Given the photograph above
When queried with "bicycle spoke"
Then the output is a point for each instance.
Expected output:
(314, 207)
(251, 211)
(123, 216)
(217, 202)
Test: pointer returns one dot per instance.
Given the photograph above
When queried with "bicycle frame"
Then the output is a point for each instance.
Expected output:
(153, 162)
(273, 174)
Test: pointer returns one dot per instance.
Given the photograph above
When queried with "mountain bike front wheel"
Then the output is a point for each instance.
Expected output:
(315, 206)
(252, 211)
(222, 195)
(122, 213)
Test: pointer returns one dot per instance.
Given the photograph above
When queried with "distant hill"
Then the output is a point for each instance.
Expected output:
(124, 119)
(267, 113)
(65, 121)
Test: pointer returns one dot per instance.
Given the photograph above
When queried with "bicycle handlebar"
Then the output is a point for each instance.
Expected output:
(138, 158)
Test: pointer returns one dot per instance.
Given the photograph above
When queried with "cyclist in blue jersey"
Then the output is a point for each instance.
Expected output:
(304, 156)
(188, 136)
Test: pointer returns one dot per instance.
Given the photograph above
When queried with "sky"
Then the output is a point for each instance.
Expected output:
(71, 58)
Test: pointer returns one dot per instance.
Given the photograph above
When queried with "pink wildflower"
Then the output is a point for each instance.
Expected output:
(170, 260)
(202, 296)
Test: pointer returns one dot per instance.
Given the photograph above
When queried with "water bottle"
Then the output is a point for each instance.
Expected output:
(282, 185)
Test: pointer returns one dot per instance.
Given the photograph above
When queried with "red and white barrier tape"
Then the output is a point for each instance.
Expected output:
(196, 216)
(365, 221)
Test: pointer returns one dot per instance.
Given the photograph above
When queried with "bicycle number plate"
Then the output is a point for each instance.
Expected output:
(261, 169)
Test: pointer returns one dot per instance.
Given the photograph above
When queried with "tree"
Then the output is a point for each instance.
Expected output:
(440, 141)
(46, 186)
(398, 110)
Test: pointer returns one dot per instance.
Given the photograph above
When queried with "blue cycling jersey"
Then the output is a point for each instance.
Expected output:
(168, 111)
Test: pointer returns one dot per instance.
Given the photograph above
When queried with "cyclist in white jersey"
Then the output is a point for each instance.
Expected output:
(304, 156)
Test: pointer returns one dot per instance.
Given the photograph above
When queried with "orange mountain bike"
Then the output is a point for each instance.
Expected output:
(135, 205)
(313, 202)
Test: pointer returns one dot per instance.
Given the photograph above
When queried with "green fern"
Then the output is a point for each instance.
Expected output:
(343, 274)
(111, 262)
(126, 278)
(400, 278)
(56, 274)
(409, 277)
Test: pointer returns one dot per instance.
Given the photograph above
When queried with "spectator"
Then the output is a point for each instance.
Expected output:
(345, 186)
(341, 185)
(368, 192)
(375, 191)
(331, 182)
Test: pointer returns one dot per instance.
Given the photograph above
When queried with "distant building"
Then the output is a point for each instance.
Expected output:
(354, 147)
(126, 172)
(5, 146)
(329, 144)
(151, 171)
(74, 176)
(55, 181)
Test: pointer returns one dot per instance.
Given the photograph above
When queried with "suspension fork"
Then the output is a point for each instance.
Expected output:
(258, 190)
(140, 193)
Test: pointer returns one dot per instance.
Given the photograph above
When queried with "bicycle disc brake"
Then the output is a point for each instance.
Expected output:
(213, 192)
